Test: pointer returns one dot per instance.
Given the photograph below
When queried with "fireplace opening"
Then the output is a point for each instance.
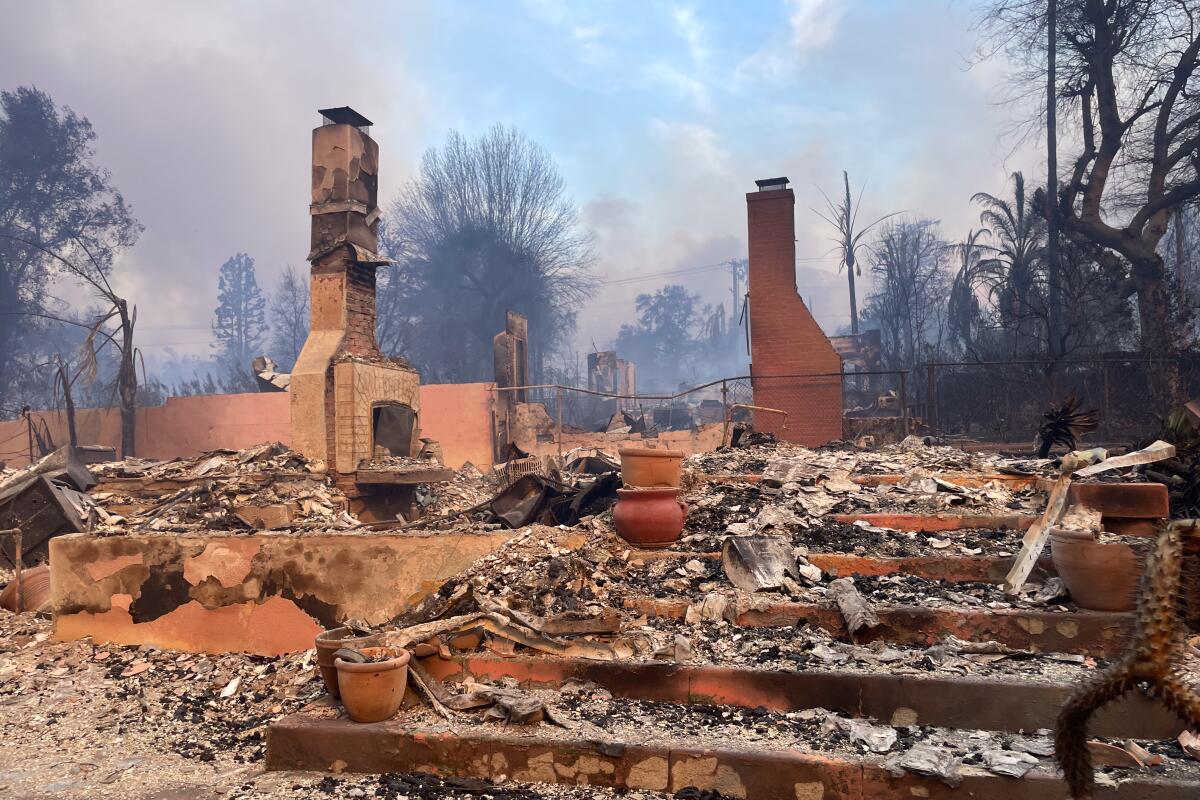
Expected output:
(392, 428)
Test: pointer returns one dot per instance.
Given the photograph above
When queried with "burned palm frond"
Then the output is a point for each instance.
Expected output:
(1155, 658)
(1062, 424)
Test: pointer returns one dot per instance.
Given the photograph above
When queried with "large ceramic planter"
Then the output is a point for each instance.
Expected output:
(373, 692)
(649, 518)
(1102, 576)
(329, 642)
(642, 467)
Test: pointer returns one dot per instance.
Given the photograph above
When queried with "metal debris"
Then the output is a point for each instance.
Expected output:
(926, 759)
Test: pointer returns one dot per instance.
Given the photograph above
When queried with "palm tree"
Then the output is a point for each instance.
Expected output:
(1013, 270)
(963, 308)
(844, 216)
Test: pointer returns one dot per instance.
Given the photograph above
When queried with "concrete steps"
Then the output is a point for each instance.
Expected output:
(661, 760)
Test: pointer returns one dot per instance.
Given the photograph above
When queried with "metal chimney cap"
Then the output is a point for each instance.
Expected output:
(772, 184)
(344, 115)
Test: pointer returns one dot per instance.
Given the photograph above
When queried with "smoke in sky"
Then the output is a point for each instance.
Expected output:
(660, 116)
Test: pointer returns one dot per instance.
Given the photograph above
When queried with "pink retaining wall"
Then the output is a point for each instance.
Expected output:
(457, 415)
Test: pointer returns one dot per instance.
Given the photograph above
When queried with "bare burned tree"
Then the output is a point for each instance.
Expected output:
(64, 382)
(112, 327)
(911, 285)
(485, 227)
(289, 317)
(1128, 91)
(843, 216)
(57, 207)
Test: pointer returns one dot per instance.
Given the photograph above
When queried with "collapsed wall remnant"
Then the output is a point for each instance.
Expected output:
(510, 352)
(264, 592)
(785, 340)
(607, 373)
(863, 351)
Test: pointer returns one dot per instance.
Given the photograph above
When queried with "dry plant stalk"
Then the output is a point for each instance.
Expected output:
(1155, 657)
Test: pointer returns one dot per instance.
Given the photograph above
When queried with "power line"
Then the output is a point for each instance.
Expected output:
(667, 273)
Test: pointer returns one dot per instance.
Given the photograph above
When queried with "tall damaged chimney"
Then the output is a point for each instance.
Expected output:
(348, 399)
(785, 340)
(345, 220)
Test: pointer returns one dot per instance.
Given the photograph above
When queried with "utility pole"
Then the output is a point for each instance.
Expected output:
(735, 291)
(1053, 321)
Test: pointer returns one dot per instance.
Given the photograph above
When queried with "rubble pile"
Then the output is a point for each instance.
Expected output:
(468, 489)
(88, 720)
(547, 581)
(263, 487)
(788, 649)
(912, 454)
(801, 486)
(760, 518)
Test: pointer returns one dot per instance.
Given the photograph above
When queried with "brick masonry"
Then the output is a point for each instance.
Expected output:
(340, 374)
(784, 337)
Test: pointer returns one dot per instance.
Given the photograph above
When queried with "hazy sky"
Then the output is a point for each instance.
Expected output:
(660, 116)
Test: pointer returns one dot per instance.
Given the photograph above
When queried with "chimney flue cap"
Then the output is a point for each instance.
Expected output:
(345, 115)
(772, 184)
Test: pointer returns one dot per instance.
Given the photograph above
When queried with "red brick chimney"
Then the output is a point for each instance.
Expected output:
(785, 340)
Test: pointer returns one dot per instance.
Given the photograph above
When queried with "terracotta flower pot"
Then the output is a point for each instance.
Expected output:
(643, 467)
(373, 692)
(649, 518)
(1102, 576)
(331, 641)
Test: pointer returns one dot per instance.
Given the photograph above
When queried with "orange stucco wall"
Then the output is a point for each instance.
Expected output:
(457, 415)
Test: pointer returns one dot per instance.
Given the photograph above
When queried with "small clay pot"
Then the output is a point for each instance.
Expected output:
(642, 467)
(333, 640)
(373, 692)
(1102, 576)
(649, 518)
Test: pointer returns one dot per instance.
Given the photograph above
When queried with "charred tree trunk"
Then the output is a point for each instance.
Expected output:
(68, 402)
(1180, 256)
(853, 299)
(1157, 331)
(10, 309)
(127, 384)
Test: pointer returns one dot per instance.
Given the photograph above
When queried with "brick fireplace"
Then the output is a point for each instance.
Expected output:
(349, 402)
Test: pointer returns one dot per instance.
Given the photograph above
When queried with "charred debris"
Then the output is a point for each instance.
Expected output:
(792, 561)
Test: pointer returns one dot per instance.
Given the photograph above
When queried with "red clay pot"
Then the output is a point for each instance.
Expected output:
(645, 467)
(373, 692)
(1102, 576)
(329, 642)
(649, 518)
